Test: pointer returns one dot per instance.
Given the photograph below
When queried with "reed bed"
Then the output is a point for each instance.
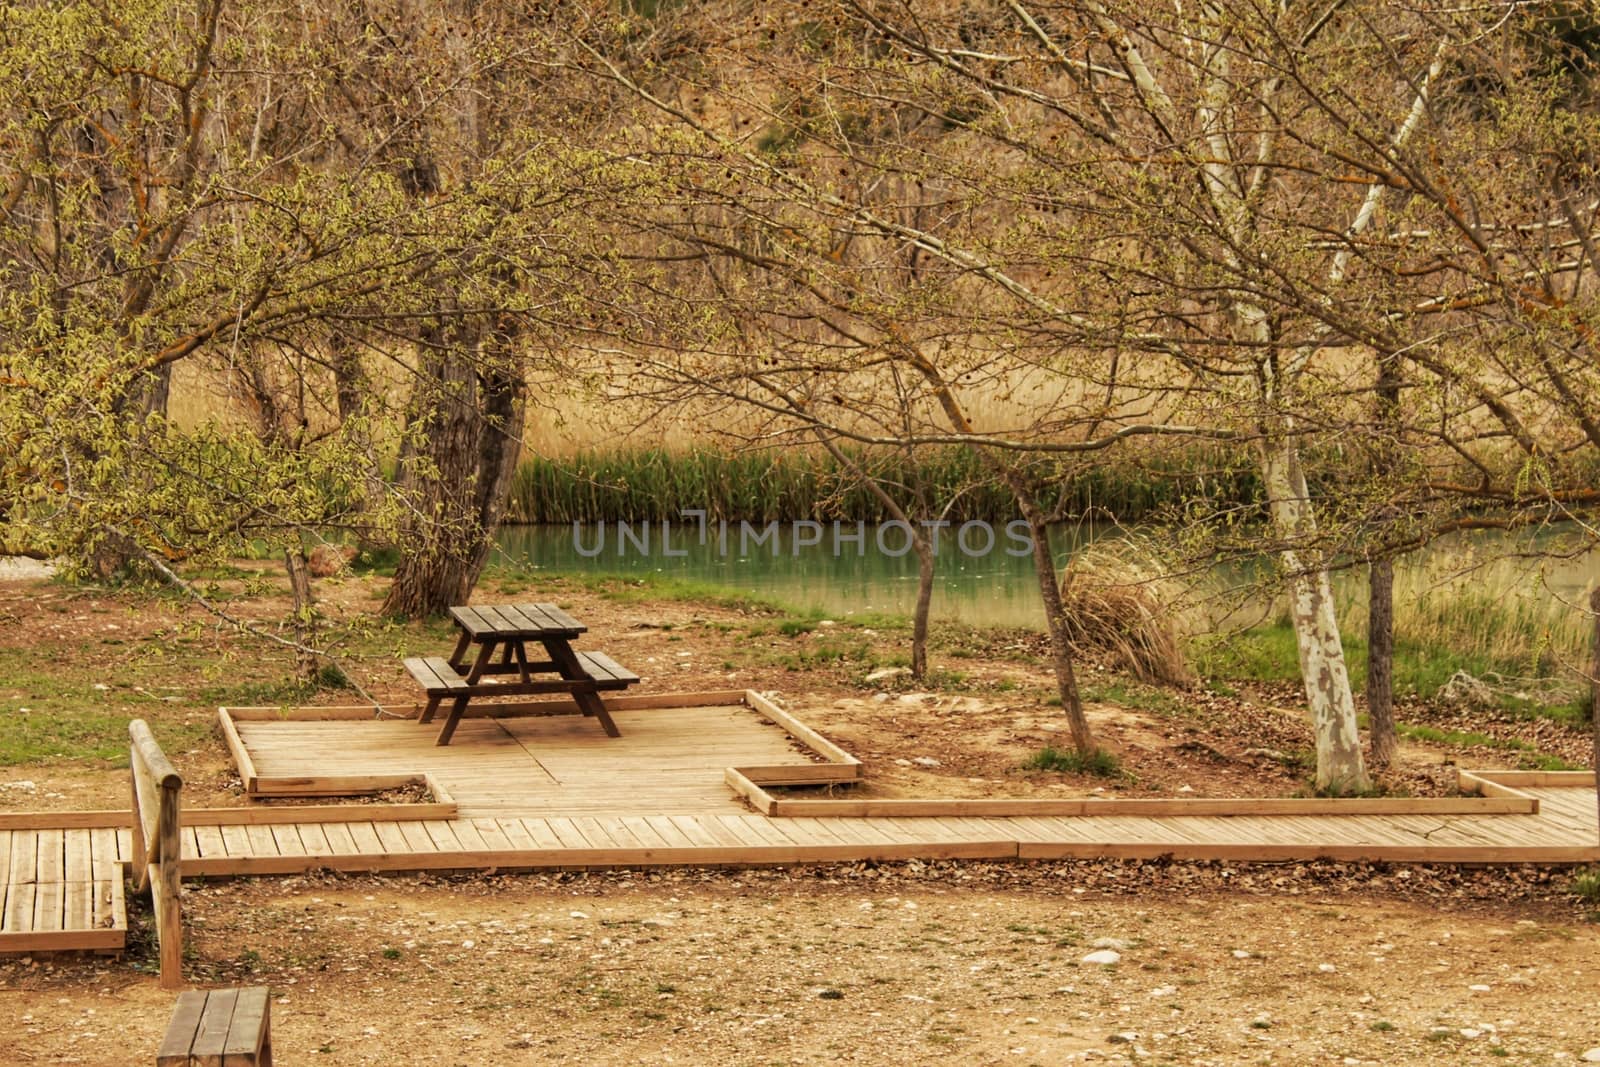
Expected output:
(649, 484)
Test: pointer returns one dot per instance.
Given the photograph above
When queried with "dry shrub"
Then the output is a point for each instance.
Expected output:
(1118, 606)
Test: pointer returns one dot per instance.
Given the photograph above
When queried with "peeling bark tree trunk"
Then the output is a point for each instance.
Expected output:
(1340, 769)
(1380, 663)
(456, 467)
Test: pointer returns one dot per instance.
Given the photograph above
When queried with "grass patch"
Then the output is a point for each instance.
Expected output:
(1586, 886)
(1134, 695)
(1100, 763)
(1530, 757)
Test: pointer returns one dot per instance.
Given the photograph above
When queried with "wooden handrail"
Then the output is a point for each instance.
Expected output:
(158, 845)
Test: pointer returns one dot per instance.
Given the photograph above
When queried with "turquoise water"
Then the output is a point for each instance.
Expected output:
(996, 587)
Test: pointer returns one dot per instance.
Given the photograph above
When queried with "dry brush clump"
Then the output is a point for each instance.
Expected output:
(1117, 603)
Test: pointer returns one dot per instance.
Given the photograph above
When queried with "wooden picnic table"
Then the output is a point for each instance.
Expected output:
(501, 634)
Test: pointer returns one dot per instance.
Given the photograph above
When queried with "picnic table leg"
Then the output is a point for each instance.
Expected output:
(463, 639)
(588, 700)
(456, 708)
(485, 654)
(522, 660)
(427, 712)
(591, 704)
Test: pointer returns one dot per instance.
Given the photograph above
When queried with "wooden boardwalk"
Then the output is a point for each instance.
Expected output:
(543, 792)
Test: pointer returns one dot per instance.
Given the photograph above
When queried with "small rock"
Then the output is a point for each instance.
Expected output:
(1592, 1056)
(926, 761)
(1240, 954)
(1126, 1037)
(1478, 988)
(885, 674)
(1104, 957)
(1110, 942)
(1327, 968)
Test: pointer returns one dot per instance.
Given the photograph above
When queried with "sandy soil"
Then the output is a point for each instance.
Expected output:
(971, 965)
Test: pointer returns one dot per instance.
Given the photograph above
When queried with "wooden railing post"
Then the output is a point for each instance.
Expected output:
(158, 844)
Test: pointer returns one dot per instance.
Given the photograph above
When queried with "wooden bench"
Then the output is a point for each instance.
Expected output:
(219, 1028)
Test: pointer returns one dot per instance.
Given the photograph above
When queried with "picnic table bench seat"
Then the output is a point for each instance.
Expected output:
(439, 679)
(219, 1028)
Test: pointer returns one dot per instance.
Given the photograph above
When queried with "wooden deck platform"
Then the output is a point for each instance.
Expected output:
(528, 791)
(62, 889)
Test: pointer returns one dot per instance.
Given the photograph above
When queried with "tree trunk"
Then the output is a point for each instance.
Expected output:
(353, 391)
(465, 440)
(1044, 566)
(919, 618)
(1380, 585)
(304, 612)
(1340, 769)
(1380, 663)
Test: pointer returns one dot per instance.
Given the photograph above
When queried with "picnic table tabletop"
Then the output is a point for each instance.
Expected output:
(495, 623)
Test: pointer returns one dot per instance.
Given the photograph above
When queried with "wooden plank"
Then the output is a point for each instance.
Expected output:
(211, 1036)
(5, 857)
(208, 841)
(286, 838)
(175, 1046)
(558, 616)
(313, 839)
(489, 832)
(18, 916)
(64, 820)
(797, 729)
(77, 910)
(568, 833)
(248, 1032)
(393, 839)
(24, 857)
(330, 713)
(78, 864)
(339, 840)
(758, 798)
(48, 903)
(365, 836)
(235, 841)
(110, 907)
(262, 843)
(104, 853)
(802, 773)
(516, 834)
(467, 835)
(417, 838)
(236, 747)
(543, 834)
(323, 813)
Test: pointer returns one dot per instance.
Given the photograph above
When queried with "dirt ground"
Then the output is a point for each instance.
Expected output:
(966, 963)
(973, 964)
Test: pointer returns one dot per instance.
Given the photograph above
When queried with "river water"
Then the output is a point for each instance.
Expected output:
(818, 567)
